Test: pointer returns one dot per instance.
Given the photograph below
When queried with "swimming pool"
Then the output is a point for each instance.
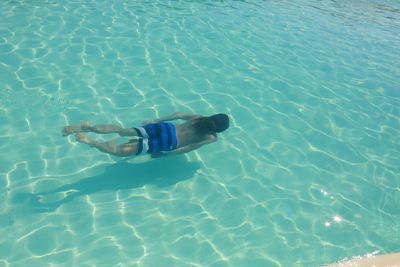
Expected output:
(308, 173)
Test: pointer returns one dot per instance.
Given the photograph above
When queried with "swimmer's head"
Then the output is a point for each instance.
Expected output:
(213, 124)
(221, 122)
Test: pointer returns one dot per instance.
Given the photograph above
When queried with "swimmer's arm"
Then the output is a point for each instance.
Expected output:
(175, 116)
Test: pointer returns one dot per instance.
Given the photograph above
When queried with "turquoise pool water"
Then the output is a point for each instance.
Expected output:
(308, 173)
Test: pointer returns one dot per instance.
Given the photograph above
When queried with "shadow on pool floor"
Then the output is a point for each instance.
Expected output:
(118, 176)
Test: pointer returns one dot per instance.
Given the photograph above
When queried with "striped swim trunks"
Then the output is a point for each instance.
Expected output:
(156, 137)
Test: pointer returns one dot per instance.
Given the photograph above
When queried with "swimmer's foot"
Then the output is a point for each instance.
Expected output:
(83, 139)
(86, 127)
(82, 127)
(70, 129)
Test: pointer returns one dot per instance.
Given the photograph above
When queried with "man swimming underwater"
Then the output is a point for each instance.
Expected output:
(156, 137)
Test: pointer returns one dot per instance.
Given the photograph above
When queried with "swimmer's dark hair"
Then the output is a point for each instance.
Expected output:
(213, 124)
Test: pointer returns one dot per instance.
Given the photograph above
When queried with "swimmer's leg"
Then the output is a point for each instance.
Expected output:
(110, 147)
(100, 129)
(108, 128)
